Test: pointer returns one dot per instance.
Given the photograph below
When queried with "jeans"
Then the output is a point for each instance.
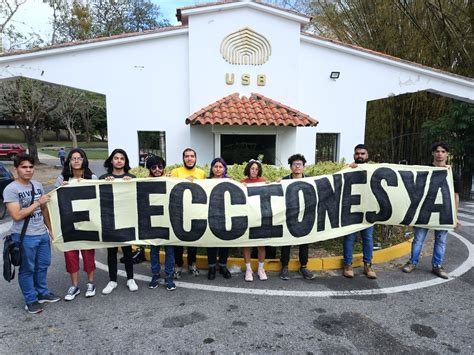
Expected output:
(367, 246)
(169, 260)
(178, 255)
(35, 260)
(212, 256)
(303, 255)
(438, 250)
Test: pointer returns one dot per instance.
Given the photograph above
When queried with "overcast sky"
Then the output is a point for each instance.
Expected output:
(35, 15)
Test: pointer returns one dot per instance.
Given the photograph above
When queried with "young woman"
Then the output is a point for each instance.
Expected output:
(218, 170)
(253, 172)
(76, 166)
(156, 167)
(118, 167)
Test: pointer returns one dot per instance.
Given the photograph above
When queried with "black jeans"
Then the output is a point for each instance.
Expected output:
(112, 262)
(178, 255)
(212, 256)
(303, 254)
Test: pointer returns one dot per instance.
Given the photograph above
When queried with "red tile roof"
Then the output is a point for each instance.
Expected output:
(257, 110)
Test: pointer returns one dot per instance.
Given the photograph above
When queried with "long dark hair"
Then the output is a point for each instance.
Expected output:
(108, 163)
(218, 160)
(67, 170)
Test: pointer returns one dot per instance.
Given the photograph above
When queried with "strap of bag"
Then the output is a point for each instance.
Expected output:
(27, 219)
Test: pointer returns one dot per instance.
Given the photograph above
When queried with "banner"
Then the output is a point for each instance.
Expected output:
(221, 212)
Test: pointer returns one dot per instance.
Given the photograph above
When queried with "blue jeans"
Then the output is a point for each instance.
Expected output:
(169, 260)
(438, 250)
(35, 260)
(367, 245)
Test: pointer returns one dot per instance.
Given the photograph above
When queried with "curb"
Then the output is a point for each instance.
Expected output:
(318, 264)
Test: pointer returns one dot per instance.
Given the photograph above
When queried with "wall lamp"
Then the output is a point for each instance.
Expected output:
(334, 75)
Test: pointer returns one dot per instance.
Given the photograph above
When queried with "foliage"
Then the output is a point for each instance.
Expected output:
(102, 18)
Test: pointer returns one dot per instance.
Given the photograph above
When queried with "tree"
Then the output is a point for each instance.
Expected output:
(68, 110)
(29, 103)
(456, 127)
(91, 109)
(102, 18)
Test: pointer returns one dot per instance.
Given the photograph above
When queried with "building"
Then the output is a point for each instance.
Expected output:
(236, 79)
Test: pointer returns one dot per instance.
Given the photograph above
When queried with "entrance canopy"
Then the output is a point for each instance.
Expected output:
(257, 110)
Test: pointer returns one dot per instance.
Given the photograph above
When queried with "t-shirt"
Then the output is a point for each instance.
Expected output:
(456, 180)
(251, 181)
(102, 177)
(288, 177)
(60, 180)
(16, 192)
(183, 173)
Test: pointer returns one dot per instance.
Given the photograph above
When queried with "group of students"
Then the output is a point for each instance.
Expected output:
(26, 203)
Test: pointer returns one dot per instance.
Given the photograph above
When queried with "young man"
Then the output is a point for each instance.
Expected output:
(35, 250)
(440, 152)
(297, 163)
(361, 156)
(190, 172)
(156, 168)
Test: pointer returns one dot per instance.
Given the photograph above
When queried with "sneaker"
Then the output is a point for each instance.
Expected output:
(284, 274)
(132, 285)
(308, 275)
(348, 271)
(72, 292)
(170, 285)
(49, 298)
(439, 271)
(154, 281)
(90, 292)
(33, 308)
(109, 288)
(248, 275)
(408, 267)
(178, 270)
(224, 271)
(262, 275)
(194, 270)
(211, 273)
(369, 272)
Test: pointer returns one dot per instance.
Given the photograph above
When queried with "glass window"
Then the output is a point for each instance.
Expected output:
(151, 142)
(239, 148)
(326, 146)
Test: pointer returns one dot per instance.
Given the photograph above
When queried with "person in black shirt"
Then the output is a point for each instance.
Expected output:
(118, 167)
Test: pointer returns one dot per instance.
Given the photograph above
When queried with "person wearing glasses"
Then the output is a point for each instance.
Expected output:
(76, 166)
(118, 167)
(297, 163)
(156, 168)
(253, 172)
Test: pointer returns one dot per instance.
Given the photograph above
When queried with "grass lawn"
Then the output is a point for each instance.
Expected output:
(94, 150)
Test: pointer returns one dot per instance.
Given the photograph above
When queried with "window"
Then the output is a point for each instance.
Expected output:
(326, 146)
(239, 148)
(151, 142)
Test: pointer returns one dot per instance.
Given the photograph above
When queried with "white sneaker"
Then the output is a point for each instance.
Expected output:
(262, 275)
(132, 285)
(109, 288)
(248, 275)
(90, 292)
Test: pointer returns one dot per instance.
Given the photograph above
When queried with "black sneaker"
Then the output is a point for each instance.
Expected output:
(33, 308)
(49, 298)
(154, 281)
(224, 271)
(284, 274)
(308, 275)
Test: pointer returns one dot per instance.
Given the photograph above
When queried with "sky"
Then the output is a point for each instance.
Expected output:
(35, 15)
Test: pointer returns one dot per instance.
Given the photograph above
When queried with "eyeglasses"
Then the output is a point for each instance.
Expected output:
(297, 164)
(156, 166)
(77, 159)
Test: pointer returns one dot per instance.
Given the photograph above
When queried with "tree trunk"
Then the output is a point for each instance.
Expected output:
(32, 148)
(72, 134)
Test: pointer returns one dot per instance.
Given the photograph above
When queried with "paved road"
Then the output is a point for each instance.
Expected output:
(397, 313)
